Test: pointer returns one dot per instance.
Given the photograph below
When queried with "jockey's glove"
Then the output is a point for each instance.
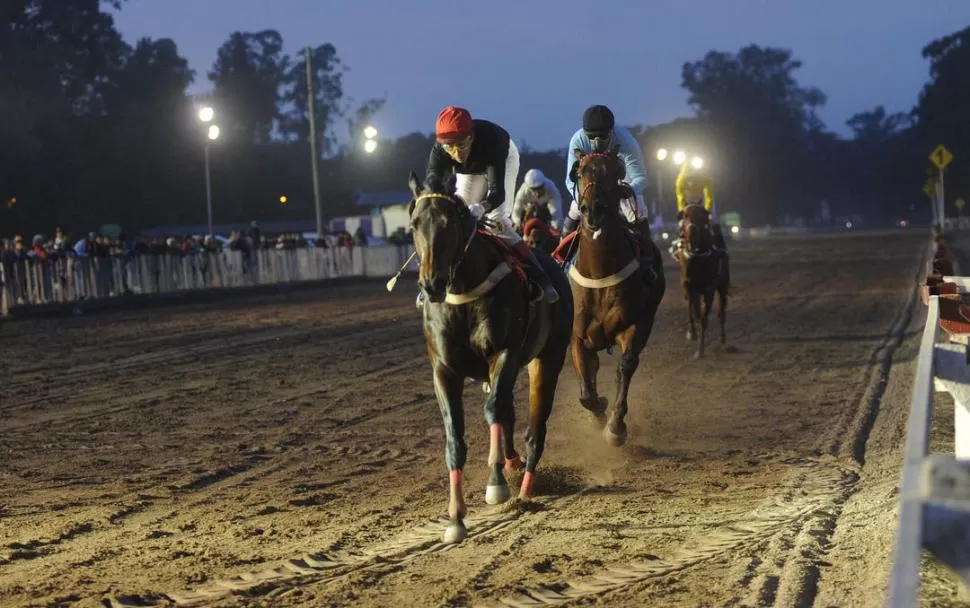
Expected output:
(477, 210)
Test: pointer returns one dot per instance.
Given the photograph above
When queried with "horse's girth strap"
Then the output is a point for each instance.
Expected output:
(501, 271)
(610, 281)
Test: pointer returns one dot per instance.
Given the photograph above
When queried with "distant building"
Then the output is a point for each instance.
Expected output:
(388, 211)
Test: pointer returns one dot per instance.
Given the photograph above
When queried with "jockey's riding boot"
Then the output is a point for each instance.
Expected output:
(569, 225)
(719, 241)
(642, 229)
(721, 244)
(536, 273)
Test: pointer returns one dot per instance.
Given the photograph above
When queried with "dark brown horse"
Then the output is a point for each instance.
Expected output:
(537, 232)
(480, 323)
(614, 305)
(702, 273)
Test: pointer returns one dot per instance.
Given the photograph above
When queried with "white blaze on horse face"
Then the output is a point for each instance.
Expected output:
(597, 234)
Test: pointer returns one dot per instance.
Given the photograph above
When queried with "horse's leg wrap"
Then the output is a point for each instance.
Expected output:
(455, 531)
(513, 462)
(500, 415)
(448, 390)
(497, 490)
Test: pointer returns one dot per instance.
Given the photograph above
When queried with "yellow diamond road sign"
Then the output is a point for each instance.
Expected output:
(941, 157)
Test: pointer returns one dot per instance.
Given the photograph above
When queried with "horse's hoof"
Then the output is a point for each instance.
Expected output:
(486, 388)
(597, 406)
(615, 438)
(496, 495)
(455, 532)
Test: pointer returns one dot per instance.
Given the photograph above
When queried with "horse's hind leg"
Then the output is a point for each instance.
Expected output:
(513, 462)
(543, 377)
(587, 364)
(448, 390)
(499, 415)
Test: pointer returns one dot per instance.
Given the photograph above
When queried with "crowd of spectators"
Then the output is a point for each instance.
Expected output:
(41, 247)
(61, 267)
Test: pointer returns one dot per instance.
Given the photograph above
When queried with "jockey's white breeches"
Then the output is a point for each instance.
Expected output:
(474, 188)
(633, 208)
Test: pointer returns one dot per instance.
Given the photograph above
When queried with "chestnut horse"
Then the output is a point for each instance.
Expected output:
(480, 323)
(702, 273)
(614, 304)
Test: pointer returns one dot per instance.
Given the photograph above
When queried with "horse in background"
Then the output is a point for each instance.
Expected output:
(702, 274)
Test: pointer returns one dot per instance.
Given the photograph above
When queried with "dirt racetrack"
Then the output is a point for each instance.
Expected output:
(288, 451)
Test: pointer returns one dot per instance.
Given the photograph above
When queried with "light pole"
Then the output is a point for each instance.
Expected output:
(206, 115)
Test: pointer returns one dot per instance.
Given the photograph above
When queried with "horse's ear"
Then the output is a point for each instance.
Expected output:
(414, 184)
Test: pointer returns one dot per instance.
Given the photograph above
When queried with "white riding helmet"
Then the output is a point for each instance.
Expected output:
(534, 178)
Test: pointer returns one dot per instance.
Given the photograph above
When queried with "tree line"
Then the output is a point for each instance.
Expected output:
(94, 129)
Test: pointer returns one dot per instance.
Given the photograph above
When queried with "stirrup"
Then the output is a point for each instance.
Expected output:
(549, 295)
(419, 302)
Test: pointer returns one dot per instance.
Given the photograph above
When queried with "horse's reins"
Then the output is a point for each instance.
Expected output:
(393, 281)
(591, 184)
(687, 232)
(452, 270)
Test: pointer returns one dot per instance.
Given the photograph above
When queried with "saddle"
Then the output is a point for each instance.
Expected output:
(510, 257)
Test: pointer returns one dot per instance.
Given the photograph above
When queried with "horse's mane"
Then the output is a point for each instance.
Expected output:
(695, 212)
(446, 185)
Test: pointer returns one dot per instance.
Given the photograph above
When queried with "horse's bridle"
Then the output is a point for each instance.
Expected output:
(689, 225)
(592, 183)
(453, 268)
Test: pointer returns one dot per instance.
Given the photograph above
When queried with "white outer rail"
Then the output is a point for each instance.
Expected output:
(934, 508)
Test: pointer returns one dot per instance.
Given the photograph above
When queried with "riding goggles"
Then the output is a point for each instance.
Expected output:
(599, 140)
(458, 150)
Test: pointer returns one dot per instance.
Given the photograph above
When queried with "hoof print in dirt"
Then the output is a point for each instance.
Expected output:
(522, 505)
